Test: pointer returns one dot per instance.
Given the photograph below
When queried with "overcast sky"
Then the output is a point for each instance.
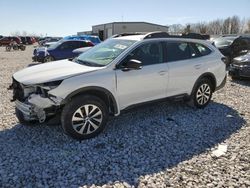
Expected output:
(66, 17)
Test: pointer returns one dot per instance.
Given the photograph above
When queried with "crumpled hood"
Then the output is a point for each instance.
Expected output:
(52, 71)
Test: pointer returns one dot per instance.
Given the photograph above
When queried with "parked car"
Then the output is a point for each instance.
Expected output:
(240, 67)
(233, 46)
(60, 50)
(49, 40)
(23, 39)
(30, 40)
(7, 40)
(79, 51)
(118, 73)
(94, 39)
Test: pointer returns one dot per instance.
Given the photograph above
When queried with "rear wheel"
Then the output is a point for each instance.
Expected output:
(201, 94)
(8, 48)
(84, 117)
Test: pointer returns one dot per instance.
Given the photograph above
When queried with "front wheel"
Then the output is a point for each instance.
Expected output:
(201, 94)
(84, 117)
(48, 59)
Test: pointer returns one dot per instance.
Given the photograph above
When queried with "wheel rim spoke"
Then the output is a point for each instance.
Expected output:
(87, 119)
(75, 126)
(203, 94)
(93, 125)
(83, 127)
(96, 114)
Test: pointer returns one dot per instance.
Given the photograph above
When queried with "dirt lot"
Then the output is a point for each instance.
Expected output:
(161, 145)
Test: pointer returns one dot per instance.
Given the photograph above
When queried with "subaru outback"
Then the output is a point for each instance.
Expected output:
(122, 71)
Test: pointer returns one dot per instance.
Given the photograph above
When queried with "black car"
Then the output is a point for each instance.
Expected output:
(240, 67)
(24, 40)
(233, 46)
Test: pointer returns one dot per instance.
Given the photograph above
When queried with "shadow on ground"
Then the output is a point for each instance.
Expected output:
(140, 142)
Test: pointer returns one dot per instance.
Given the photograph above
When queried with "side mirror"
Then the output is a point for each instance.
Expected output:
(132, 64)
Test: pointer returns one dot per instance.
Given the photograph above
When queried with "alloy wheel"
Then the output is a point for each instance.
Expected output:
(203, 94)
(87, 119)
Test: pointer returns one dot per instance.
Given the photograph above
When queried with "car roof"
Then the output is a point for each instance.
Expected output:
(72, 40)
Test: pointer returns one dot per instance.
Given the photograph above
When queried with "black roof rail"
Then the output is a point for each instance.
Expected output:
(128, 34)
(156, 34)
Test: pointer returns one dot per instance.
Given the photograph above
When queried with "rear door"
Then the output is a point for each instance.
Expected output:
(64, 51)
(186, 63)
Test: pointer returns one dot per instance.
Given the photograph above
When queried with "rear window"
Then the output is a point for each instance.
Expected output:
(177, 51)
(203, 50)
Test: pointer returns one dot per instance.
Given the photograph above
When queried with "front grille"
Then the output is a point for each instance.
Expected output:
(18, 93)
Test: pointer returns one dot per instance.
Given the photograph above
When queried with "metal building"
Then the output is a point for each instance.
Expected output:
(105, 31)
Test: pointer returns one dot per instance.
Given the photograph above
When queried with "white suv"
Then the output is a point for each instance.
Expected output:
(114, 75)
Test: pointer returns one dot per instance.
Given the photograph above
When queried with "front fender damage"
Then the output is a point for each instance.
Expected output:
(39, 108)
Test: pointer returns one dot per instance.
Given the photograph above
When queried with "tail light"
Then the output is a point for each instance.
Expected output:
(90, 43)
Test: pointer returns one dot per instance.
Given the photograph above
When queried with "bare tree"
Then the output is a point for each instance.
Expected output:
(176, 28)
(226, 26)
(202, 27)
(24, 33)
(247, 26)
(187, 29)
(235, 25)
(215, 27)
(15, 33)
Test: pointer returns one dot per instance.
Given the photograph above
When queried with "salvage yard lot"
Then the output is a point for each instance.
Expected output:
(159, 145)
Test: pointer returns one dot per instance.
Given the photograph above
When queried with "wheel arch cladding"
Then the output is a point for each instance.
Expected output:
(210, 77)
(99, 92)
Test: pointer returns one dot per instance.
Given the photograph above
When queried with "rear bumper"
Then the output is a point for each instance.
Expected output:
(239, 71)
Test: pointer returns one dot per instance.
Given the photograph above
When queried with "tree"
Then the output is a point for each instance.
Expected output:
(176, 28)
(235, 25)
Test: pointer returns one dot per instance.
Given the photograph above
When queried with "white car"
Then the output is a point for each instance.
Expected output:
(114, 75)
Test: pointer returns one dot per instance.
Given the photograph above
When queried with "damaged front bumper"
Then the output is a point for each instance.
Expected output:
(38, 108)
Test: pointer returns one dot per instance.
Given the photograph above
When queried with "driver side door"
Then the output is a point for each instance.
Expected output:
(145, 84)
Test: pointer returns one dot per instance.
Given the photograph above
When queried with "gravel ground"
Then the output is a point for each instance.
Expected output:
(160, 145)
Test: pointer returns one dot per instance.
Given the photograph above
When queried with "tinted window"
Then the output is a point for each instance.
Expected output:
(177, 51)
(148, 54)
(203, 49)
(67, 45)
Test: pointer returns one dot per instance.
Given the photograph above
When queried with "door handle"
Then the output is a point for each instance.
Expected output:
(197, 66)
(162, 72)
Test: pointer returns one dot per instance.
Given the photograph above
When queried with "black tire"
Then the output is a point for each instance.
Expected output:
(48, 59)
(15, 47)
(22, 47)
(21, 119)
(8, 48)
(78, 123)
(198, 98)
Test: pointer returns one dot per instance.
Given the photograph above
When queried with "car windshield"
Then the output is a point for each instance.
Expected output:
(104, 53)
(224, 41)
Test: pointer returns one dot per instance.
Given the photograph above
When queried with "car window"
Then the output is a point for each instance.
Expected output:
(82, 44)
(177, 51)
(203, 49)
(67, 45)
(194, 50)
(148, 54)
